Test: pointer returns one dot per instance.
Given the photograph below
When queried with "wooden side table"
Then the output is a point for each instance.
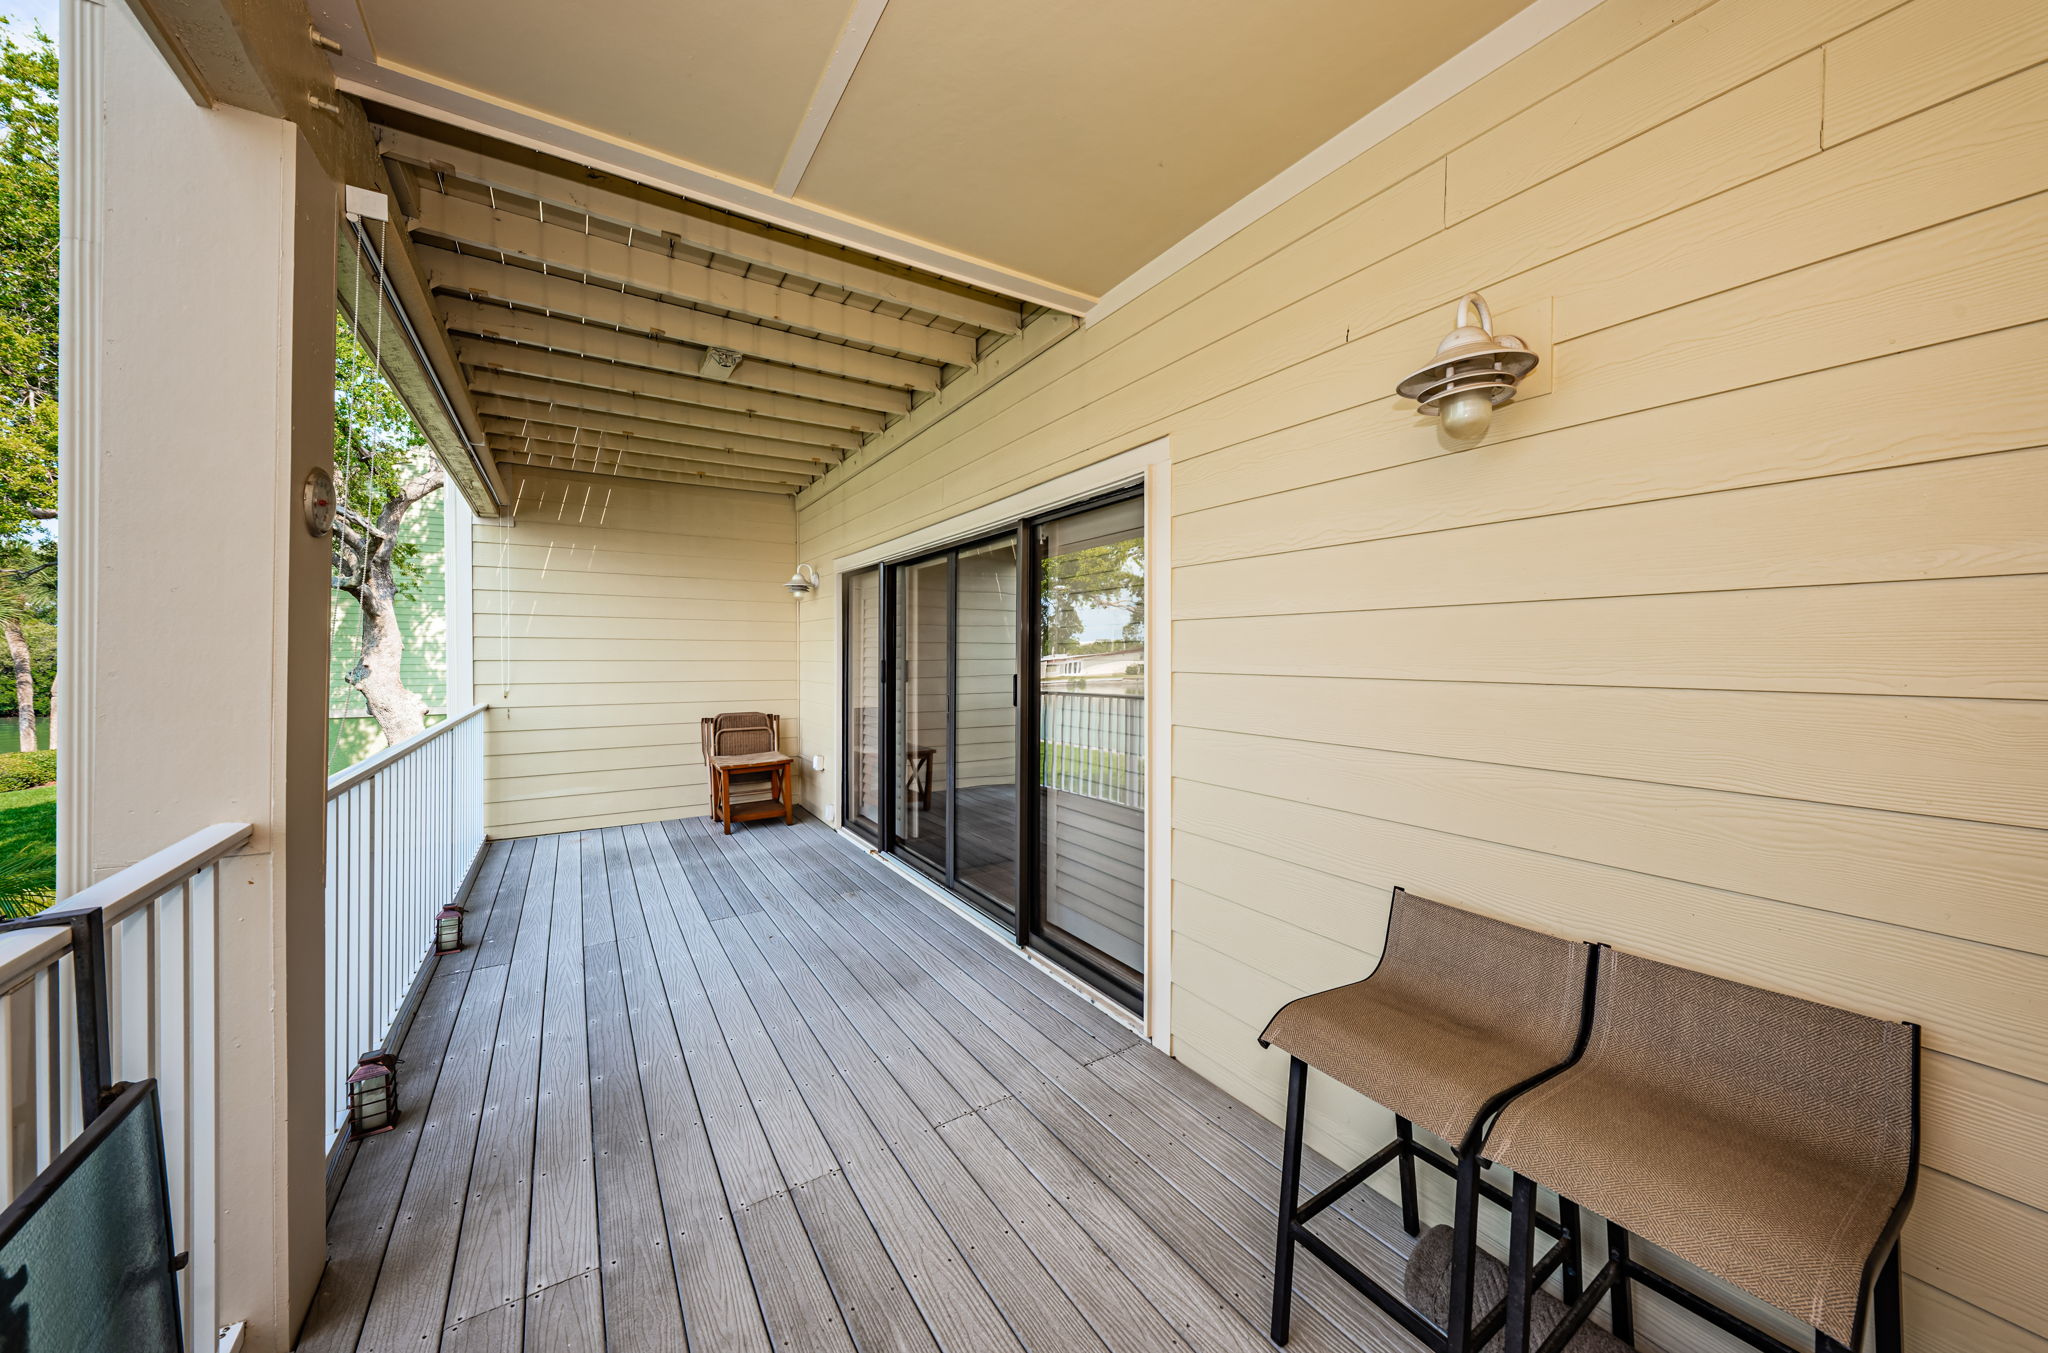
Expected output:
(919, 781)
(781, 802)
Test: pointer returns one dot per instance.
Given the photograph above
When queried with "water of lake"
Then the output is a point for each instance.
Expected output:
(10, 734)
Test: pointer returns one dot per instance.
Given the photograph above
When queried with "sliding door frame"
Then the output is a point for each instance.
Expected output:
(1029, 857)
(1031, 934)
(1027, 929)
(885, 709)
(948, 876)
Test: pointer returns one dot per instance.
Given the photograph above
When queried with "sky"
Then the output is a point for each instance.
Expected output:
(26, 14)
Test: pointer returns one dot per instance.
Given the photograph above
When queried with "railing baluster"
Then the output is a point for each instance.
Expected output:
(404, 828)
(171, 1051)
(10, 1095)
(202, 894)
(159, 967)
(1092, 743)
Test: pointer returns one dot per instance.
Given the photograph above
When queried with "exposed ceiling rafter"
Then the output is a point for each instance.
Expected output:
(598, 325)
(652, 430)
(487, 279)
(708, 421)
(718, 232)
(609, 469)
(604, 260)
(618, 456)
(571, 369)
(600, 342)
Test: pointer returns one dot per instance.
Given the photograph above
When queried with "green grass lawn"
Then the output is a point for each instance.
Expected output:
(28, 822)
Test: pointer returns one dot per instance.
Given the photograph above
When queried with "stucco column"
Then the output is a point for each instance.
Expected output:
(199, 305)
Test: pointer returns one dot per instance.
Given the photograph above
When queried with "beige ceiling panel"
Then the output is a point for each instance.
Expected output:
(1076, 139)
(719, 84)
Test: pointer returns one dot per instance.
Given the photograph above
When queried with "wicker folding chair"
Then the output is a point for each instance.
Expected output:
(1769, 1140)
(755, 739)
(1462, 1013)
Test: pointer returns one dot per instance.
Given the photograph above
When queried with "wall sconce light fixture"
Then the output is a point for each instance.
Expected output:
(1474, 370)
(805, 579)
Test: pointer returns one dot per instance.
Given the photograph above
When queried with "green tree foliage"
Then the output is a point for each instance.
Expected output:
(28, 281)
(383, 471)
(28, 433)
(378, 451)
(1101, 577)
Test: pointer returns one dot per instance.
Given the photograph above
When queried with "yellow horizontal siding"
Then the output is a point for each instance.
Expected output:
(1726, 646)
(608, 622)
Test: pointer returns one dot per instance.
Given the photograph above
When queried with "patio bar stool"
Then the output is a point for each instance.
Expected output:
(1768, 1140)
(1462, 1013)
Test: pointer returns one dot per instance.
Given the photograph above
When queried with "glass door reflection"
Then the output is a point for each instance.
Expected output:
(985, 721)
(995, 729)
(924, 709)
(1091, 742)
(864, 702)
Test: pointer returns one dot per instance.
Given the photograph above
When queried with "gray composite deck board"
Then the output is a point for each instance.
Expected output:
(490, 1254)
(597, 906)
(642, 1307)
(690, 1090)
(562, 1237)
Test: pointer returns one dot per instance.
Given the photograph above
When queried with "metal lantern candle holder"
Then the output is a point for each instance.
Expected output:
(373, 1095)
(1475, 369)
(448, 929)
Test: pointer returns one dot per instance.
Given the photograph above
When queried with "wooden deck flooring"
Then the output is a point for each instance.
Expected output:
(740, 1093)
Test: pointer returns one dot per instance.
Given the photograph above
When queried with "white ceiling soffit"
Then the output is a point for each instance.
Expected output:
(1467, 68)
(358, 71)
(1076, 140)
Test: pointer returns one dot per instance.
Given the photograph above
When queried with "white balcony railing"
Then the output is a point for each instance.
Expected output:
(161, 936)
(1092, 743)
(405, 830)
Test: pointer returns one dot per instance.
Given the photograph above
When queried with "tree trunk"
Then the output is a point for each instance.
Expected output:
(24, 685)
(377, 675)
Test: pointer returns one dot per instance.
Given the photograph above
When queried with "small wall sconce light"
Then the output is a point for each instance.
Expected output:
(373, 1095)
(805, 579)
(1474, 370)
(448, 929)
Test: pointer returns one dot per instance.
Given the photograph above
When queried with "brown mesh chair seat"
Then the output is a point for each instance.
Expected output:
(1768, 1140)
(1434, 1046)
(1460, 1013)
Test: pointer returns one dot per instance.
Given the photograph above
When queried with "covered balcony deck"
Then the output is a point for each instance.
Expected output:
(761, 1091)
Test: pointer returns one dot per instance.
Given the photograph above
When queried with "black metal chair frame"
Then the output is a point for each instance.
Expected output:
(1460, 1334)
(1525, 1275)
(88, 927)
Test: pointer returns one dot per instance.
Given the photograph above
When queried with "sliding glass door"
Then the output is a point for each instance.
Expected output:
(924, 710)
(863, 682)
(986, 687)
(995, 726)
(1090, 642)
(955, 687)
